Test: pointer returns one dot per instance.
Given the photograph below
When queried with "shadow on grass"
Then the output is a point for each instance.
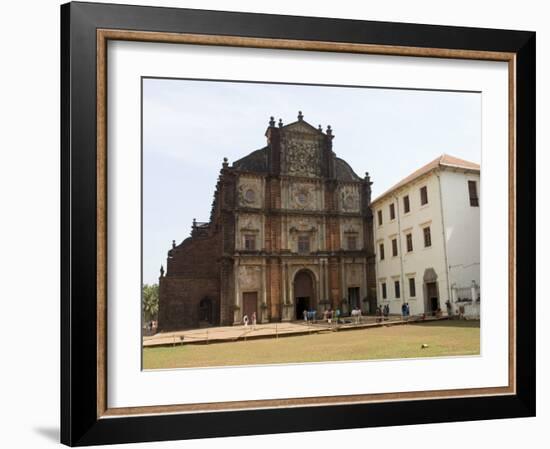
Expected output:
(465, 324)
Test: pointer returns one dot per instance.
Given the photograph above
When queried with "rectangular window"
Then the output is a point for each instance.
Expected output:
(409, 243)
(406, 204)
(392, 211)
(381, 251)
(423, 195)
(472, 190)
(303, 244)
(412, 288)
(379, 218)
(352, 243)
(427, 237)
(384, 292)
(250, 242)
(394, 247)
(397, 289)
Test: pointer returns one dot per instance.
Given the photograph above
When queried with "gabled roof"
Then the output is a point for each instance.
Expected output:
(444, 160)
(302, 126)
(255, 161)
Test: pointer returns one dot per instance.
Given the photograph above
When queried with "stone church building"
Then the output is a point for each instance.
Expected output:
(290, 229)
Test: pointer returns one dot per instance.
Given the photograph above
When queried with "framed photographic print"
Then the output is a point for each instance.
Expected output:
(282, 224)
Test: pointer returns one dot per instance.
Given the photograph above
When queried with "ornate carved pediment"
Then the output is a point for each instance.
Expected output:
(303, 226)
(302, 157)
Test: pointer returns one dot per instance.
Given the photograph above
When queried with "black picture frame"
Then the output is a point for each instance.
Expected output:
(80, 424)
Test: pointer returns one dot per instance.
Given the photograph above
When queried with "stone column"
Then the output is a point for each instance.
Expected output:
(325, 278)
(343, 282)
(364, 288)
(263, 300)
(287, 301)
(237, 314)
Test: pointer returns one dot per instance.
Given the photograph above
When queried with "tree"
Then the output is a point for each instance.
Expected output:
(150, 301)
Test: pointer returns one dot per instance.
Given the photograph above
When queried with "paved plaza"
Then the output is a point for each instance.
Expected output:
(269, 330)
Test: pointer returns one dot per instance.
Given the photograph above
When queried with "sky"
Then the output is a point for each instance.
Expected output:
(189, 126)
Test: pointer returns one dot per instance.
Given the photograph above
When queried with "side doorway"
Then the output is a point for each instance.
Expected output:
(250, 304)
(433, 298)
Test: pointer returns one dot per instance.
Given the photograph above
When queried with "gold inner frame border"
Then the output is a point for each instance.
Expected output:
(105, 35)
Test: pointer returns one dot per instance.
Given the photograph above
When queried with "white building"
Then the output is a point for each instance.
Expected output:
(426, 235)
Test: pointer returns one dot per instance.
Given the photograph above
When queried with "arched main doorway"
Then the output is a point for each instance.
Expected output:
(304, 293)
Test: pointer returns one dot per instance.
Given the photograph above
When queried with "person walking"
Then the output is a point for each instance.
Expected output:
(245, 320)
(254, 320)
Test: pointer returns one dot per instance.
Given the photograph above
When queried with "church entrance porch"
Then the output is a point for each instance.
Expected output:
(304, 294)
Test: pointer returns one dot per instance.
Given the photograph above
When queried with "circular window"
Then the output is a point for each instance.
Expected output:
(249, 195)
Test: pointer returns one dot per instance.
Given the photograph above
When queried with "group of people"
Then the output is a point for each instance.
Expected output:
(382, 313)
(328, 315)
(310, 315)
(252, 318)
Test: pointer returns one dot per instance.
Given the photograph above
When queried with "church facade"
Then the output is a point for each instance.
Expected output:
(290, 230)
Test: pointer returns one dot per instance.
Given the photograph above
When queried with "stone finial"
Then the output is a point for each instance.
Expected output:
(280, 123)
(173, 244)
(225, 164)
(300, 115)
(161, 271)
(320, 128)
(329, 130)
(271, 121)
(367, 176)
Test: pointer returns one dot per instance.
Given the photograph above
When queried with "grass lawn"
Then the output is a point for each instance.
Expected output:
(444, 338)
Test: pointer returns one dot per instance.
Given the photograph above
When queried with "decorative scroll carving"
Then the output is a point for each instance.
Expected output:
(303, 158)
(349, 199)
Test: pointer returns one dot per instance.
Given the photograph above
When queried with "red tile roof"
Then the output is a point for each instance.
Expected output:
(442, 161)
